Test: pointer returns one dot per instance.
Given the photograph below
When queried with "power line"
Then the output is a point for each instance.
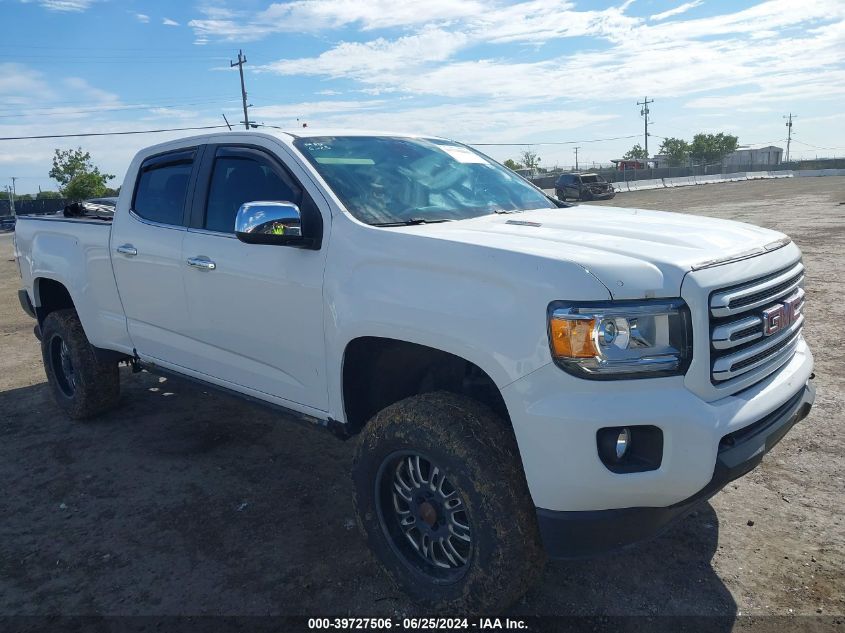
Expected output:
(593, 140)
(815, 146)
(123, 133)
(77, 103)
(58, 111)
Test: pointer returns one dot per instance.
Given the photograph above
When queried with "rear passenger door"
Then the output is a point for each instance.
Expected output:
(146, 253)
(256, 310)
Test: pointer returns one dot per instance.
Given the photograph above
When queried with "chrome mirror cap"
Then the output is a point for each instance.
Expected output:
(269, 222)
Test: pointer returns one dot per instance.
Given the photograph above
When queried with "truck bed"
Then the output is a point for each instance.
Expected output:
(75, 252)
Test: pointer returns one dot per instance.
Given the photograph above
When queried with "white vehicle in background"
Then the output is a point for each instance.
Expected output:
(524, 377)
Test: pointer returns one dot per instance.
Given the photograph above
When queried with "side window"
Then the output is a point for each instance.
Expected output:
(244, 175)
(163, 186)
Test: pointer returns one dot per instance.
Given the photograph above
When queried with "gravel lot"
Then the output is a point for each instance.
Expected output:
(189, 502)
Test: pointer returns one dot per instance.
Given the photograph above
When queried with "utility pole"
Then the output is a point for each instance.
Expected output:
(240, 64)
(576, 158)
(11, 200)
(14, 194)
(644, 113)
(789, 133)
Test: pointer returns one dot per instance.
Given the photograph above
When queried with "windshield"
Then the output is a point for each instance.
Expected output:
(384, 180)
(592, 178)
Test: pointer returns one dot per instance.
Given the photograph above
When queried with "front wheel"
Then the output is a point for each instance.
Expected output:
(441, 497)
(82, 384)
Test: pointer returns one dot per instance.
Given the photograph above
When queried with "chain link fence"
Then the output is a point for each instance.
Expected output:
(612, 174)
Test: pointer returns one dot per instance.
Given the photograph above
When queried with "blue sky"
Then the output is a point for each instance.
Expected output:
(480, 71)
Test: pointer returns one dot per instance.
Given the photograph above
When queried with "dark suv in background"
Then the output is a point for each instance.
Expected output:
(583, 187)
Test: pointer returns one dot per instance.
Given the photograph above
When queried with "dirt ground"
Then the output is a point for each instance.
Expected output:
(184, 501)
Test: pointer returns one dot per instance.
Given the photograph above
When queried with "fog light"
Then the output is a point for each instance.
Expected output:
(623, 440)
(630, 449)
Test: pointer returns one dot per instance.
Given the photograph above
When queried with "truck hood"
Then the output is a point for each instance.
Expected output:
(634, 253)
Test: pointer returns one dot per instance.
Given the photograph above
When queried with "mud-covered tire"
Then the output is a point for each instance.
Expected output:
(82, 385)
(475, 451)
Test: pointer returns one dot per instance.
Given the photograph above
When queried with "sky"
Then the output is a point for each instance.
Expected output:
(479, 71)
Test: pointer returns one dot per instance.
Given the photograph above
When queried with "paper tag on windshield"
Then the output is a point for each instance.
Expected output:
(462, 154)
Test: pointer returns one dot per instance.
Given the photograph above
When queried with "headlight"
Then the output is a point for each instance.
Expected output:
(621, 339)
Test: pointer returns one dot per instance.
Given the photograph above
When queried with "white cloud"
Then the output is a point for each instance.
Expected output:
(21, 85)
(80, 86)
(316, 15)
(377, 58)
(682, 57)
(66, 6)
(681, 8)
(169, 22)
(142, 18)
(538, 21)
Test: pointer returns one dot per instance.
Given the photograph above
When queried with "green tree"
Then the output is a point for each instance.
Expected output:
(82, 186)
(530, 159)
(636, 152)
(677, 149)
(712, 148)
(512, 164)
(78, 178)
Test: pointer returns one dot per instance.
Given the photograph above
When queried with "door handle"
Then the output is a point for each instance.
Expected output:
(201, 262)
(127, 249)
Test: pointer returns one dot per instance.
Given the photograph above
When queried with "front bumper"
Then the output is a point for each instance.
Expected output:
(578, 534)
(556, 416)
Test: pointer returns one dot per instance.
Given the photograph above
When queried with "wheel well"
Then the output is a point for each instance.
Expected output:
(378, 372)
(51, 296)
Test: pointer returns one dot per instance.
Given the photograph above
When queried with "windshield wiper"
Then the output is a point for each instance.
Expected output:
(412, 222)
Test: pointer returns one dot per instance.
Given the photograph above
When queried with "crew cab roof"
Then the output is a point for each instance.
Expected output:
(287, 136)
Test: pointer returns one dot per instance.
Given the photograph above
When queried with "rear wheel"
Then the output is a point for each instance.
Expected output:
(442, 499)
(82, 385)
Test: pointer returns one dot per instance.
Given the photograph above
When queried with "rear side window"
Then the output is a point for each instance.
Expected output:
(244, 175)
(163, 187)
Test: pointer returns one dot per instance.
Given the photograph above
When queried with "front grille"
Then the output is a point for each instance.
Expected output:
(747, 331)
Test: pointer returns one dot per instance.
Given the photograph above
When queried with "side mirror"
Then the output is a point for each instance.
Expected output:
(277, 223)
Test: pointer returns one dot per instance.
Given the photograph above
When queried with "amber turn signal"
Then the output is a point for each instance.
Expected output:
(573, 338)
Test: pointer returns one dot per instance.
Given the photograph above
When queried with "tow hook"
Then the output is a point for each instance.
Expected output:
(135, 362)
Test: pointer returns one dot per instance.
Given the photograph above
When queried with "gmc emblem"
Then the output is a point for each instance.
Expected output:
(781, 315)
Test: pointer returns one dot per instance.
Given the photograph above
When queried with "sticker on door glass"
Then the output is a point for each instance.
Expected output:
(463, 155)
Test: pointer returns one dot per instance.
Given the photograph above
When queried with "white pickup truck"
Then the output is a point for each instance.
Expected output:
(524, 377)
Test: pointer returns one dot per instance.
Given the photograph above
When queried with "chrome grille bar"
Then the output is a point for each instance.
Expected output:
(774, 349)
(757, 293)
(737, 332)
